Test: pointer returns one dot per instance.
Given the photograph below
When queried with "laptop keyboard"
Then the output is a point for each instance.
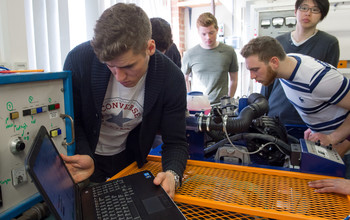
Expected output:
(113, 200)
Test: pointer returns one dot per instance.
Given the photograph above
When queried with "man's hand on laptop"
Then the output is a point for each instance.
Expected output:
(167, 181)
(80, 167)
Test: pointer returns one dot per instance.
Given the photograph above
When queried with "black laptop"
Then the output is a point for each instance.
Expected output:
(131, 197)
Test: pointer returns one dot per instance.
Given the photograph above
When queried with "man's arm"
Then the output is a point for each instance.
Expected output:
(186, 70)
(173, 131)
(188, 82)
(233, 77)
(341, 133)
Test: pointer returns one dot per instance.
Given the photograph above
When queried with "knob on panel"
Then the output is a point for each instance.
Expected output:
(16, 145)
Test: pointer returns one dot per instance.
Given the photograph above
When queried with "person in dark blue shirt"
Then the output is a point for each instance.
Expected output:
(308, 40)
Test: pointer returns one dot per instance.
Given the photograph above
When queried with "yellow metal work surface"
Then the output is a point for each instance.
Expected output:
(193, 212)
(241, 192)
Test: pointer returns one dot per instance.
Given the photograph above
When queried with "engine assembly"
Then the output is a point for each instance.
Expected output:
(246, 135)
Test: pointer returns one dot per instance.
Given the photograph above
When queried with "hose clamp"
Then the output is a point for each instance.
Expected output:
(200, 121)
(224, 123)
(208, 123)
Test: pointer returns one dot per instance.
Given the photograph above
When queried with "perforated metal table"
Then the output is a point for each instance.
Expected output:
(223, 191)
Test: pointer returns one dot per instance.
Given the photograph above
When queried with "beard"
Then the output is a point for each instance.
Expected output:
(270, 76)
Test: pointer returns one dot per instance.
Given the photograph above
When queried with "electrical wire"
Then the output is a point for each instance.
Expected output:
(224, 118)
(228, 138)
(4, 68)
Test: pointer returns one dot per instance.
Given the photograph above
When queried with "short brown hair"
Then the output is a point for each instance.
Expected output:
(120, 28)
(206, 19)
(265, 47)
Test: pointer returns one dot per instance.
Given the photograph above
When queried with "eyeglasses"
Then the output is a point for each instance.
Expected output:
(305, 8)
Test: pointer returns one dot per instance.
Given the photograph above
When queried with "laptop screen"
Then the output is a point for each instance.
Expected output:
(55, 179)
(134, 195)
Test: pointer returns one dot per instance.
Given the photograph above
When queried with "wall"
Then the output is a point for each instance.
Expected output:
(223, 14)
(333, 24)
(336, 23)
(231, 14)
(246, 26)
(13, 42)
(271, 30)
(54, 28)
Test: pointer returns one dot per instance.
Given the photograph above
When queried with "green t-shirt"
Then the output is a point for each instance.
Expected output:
(210, 69)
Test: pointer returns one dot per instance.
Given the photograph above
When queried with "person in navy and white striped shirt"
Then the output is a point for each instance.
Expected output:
(316, 89)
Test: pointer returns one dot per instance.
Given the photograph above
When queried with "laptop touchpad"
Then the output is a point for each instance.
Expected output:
(154, 204)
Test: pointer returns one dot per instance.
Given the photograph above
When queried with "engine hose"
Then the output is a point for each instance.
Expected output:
(285, 147)
(260, 103)
(216, 135)
(292, 139)
(37, 212)
(257, 107)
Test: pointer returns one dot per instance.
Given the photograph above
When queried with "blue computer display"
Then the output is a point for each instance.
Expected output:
(55, 180)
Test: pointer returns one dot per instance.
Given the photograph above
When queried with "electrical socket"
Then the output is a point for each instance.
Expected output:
(20, 66)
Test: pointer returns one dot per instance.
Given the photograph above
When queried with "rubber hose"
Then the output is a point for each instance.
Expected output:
(37, 212)
(258, 107)
(285, 147)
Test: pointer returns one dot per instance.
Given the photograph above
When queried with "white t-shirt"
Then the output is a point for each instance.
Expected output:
(121, 112)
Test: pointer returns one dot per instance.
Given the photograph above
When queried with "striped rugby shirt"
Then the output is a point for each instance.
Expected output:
(314, 88)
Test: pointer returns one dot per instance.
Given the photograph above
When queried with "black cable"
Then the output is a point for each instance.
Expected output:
(285, 147)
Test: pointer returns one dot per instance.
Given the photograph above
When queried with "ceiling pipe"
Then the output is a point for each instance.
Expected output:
(212, 5)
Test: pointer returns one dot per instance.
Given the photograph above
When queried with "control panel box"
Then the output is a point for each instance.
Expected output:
(311, 157)
(28, 101)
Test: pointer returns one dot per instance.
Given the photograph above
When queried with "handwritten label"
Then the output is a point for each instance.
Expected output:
(2, 182)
